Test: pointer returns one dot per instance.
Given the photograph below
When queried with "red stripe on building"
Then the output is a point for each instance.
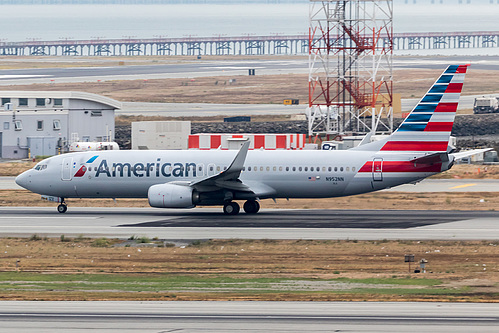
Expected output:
(403, 166)
(215, 141)
(439, 127)
(415, 146)
(259, 141)
(280, 142)
(193, 141)
(446, 107)
(237, 136)
(454, 88)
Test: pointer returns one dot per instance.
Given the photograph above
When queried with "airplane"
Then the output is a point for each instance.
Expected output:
(418, 149)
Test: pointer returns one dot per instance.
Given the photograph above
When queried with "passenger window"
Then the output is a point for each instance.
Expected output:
(329, 169)
(294, 168)
(287, 168)
(348, 169)
(306, 168)
(218, 168)
(249, 168)
(335, 169)
(280, 168)
(353, 169)
(341, 169)
(211, 168)
(275, 169)
(268, 168)
(299, 168)
(261, 168)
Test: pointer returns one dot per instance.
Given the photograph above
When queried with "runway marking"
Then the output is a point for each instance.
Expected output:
(461, 186)
(49, 217)
(4, 77)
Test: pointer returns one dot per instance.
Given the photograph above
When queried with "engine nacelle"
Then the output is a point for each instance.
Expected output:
(172, 196)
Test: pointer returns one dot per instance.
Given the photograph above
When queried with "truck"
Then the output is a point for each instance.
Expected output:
(486, 105)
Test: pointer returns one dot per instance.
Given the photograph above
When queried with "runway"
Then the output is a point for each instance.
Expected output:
(211, 223)
(207, 67)
(251, 317)
(173, 69)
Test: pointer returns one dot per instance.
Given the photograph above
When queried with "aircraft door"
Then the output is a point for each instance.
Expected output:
(66, 168)
(210, 170)
(378, 169)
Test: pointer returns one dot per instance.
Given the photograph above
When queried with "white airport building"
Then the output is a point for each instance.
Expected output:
(42, 123)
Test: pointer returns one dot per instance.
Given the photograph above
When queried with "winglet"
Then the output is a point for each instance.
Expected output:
(238, 162)
(232, 172)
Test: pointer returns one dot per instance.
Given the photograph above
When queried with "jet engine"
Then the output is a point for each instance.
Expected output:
(172, 196)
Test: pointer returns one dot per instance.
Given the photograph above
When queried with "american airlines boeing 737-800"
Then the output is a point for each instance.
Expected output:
(184, 179)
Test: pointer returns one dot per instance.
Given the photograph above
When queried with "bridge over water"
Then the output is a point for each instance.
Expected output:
(242, 45)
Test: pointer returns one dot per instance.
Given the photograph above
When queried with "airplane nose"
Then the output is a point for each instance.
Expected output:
(23, 179)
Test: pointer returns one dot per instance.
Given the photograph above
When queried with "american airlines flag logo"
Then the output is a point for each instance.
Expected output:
(312, 179)
(83, 168)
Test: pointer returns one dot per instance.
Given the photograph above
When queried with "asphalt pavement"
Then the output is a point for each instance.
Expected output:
(211, 223)
(249, 317)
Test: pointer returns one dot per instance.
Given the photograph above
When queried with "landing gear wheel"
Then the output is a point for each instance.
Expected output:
(62, 208)
(251, 207)
(231, 208)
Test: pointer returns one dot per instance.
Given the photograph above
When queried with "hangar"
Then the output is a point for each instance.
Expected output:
(42, 123)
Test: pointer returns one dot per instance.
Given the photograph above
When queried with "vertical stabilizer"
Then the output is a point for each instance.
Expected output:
(428, 126)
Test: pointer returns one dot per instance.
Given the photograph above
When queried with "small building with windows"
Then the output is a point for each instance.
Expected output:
(44, 123)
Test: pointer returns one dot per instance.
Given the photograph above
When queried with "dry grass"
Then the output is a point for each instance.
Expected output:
(465, 271)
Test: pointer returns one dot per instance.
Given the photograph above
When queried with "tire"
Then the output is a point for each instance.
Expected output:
(251, 207)
(62, 208)
(231, 208)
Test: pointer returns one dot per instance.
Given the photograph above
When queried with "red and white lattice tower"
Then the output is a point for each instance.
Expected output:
(350, 60)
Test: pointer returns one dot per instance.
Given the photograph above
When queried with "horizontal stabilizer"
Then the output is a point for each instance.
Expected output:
(468, 153)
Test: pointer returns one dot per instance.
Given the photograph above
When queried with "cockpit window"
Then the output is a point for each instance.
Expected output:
(40, 167)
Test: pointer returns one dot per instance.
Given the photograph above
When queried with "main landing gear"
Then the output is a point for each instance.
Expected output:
(250, 207)
(62, 208)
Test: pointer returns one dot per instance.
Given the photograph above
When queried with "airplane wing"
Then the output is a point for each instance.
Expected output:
(227, 179)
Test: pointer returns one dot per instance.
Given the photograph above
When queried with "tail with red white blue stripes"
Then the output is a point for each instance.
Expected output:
(428, 126)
